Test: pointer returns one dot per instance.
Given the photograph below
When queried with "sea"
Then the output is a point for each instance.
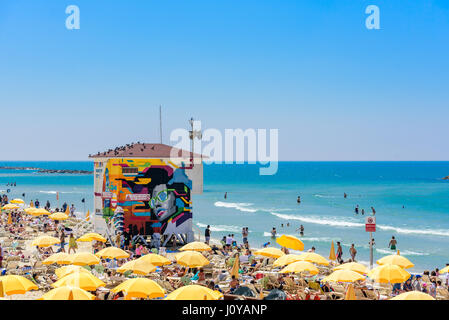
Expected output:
(410, 198)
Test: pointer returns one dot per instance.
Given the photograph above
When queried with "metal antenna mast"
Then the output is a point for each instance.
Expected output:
(160, 121)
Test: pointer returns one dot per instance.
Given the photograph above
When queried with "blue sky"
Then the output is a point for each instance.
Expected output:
(334, 89)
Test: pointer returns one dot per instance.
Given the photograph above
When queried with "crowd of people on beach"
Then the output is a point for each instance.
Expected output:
(256, 276)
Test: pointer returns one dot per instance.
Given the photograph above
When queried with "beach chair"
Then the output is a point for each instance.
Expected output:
(290, 285)
(442, 294)
(185, 280)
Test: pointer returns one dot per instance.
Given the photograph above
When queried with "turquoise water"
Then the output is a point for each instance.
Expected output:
(263, 202)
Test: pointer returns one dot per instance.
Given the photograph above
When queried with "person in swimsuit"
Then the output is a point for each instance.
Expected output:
(393, 243)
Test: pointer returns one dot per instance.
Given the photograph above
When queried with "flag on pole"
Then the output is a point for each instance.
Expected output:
(57, 196)
(87, 215)
(332, 252)
(67, 211)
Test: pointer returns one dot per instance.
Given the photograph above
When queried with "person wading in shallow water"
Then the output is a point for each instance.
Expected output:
(353, 252)
(339, 253)
(393, 243)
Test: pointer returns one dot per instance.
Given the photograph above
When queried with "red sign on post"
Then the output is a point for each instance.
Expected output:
(370, 224)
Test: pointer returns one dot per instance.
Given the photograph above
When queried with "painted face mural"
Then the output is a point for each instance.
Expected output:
(163, 202)
(155, 195)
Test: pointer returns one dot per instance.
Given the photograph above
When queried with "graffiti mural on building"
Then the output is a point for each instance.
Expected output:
(154, 195)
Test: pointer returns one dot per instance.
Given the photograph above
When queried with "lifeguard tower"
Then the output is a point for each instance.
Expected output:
(143, 188)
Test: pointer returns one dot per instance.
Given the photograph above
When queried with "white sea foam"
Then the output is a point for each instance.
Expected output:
(61, 192)
(267, 234)
(433, 232)
(335, 222)
(220, 228)
(319, 220)
(402, 252)
(239, 206)
(324, 196)
(311, 239)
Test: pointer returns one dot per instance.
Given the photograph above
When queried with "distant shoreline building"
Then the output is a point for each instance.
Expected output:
(146, 188)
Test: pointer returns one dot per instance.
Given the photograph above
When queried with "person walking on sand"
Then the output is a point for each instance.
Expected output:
(393, 243)
(62, 239)
(72, 210)
(339, 253)
(207, 234)
(245, 235)
(72, 244)
(353, 252)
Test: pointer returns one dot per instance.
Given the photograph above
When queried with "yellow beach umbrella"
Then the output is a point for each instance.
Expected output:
(88, 237)
(353, 266)
(13, 284)
(286, 260)
(10, 206)
(17, 201)
(140, 288)
(67, 293)
(343, 276)
(81, 280)
(58, 216)
(58, 258)
(191, 259)
(195, 246)
(235, 268)
(445, 269)
(194, 292)
(40, 212)
(270, 252)
(155, 259)
(66, 270)
(84, 259)
(112, 253)
(396, 259)
(350, 293)
(138, 267)
(413, 295)
(389, 273)
(314, 258)
(29, 210)
(332, 256)
(32, 211)
(300, 266)
(290, 242)
(45, 241)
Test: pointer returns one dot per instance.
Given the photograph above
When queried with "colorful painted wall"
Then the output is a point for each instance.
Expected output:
(154, 195)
